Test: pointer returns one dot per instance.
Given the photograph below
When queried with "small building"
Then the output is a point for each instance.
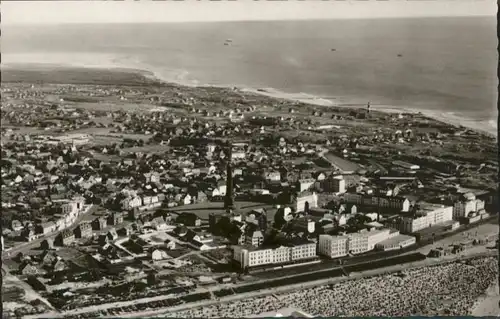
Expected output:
(47, 244)
(45, 228)
(115, 219)
(28, 269)
(65, 238)
(99, 223)
(84, 230)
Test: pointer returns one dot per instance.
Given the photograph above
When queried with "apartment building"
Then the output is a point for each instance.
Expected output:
(355, 243)
(389, 202)
(427, 216)
(249, 257)
(333, 246)
(306, 199)
(468, 203)
(334, 184)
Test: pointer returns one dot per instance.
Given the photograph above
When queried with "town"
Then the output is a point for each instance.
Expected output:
(125, 198)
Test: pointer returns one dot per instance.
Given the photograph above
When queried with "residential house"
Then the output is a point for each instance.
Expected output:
(28, 234)
(84, 230)
(16, 225)
(65, 238)
(28, 269)
(115, 219)
(170, 244)
(159, 223)
(221, 187)
(45, 228)
(47, 244)
(159, 254)
(99, 223)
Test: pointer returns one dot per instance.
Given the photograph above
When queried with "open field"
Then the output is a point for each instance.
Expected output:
(202, 210)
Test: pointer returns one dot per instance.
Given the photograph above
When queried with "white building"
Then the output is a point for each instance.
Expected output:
(306, 197)
(467, 204)
(429, 215)
(333, 246)
(248, 257)
(355, 243)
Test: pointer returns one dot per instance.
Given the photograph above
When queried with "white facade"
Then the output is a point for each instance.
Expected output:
(437, 214)
(463, 208)
(311, 199)
(280, 255)
(333, 246)
(398, 203)
(355, 243)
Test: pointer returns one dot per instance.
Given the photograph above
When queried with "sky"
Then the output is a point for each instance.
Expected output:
(63, 12)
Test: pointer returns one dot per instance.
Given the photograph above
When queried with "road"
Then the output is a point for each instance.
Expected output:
(36, 243)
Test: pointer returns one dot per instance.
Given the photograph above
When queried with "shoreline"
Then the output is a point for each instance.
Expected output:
(147, 72)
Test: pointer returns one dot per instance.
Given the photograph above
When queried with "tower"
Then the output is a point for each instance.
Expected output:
(229, 200)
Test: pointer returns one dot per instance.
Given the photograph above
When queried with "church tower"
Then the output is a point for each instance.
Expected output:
(229, 199)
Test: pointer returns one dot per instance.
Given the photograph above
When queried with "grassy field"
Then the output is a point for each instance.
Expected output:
(202, 210)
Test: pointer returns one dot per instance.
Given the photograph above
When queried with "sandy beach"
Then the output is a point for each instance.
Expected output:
(489, 304)
(111, 61)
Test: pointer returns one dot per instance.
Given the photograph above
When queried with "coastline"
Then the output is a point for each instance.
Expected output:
(488, 304)
(148, 73)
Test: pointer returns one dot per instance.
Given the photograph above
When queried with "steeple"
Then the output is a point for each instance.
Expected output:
(229, 199)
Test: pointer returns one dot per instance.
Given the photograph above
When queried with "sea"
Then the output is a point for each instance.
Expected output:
(444, 67)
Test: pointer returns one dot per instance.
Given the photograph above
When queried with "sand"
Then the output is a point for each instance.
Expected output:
(489, 304)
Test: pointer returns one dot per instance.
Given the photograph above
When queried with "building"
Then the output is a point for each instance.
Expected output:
(99, 223)
(306, 200)
(468, 203)
(65, 238)
(334, 184)
(188, 219)
(253, 238)
(84, 230)
(354, 243)
(46, 228)
(294, 251)
(401, 204)
(333, 246)
(305, 184)
(397, 242)
(115, 218)
(426, 215)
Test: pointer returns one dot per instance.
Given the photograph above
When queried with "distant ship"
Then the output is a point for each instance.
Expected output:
(400, 55)
(333, 50)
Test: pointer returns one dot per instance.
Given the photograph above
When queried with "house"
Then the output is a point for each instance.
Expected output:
(65, 238)
(28, 234)
(124, 231)
(28, 269)
(84, 230)
(99, 223)
(112, 235)
(170, 244)
(221, 187)
(45, 228)
(159, 254)
(58, 265)
(159, 223)
(188, 219)
(16, 225)
(115, 219)
(305, 184)
(47, 244)
(201, 197)
(187, 199)
(47, 257)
